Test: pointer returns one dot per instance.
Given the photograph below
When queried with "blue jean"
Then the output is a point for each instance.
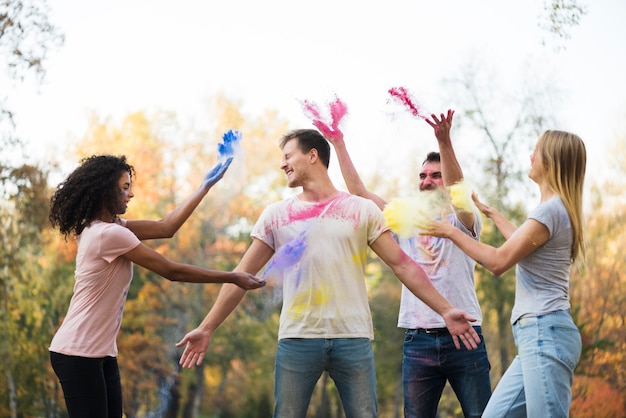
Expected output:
(538, 383)
(431, 359)
(91, 386)
(300, 363)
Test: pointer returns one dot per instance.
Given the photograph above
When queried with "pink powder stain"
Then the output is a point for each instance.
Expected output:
(337, 109)
(402, 95)
(311, 110)
(299, 214)
(307, 213)
(338, 210)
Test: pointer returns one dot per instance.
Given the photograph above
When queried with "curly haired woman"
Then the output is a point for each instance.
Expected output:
(86, 205)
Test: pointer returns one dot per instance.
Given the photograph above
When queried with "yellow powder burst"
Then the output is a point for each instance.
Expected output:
(461, 197)
(399, 214)
(405, 216)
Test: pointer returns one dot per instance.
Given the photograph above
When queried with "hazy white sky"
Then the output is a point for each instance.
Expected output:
(124, 56)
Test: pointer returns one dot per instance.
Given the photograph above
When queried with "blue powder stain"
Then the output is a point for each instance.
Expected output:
(288, 255)
(230, 140)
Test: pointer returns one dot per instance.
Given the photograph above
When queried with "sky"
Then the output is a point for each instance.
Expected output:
(125, 56)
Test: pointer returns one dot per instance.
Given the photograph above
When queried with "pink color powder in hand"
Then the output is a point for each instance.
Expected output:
(311, 110)
(337, 108)
(402, 95)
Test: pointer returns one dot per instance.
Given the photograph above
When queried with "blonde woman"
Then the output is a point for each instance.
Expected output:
(538, 382)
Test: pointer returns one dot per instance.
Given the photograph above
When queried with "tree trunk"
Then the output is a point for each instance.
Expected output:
(194, 395)
(173, 399)
(503, 329)
(12, 394)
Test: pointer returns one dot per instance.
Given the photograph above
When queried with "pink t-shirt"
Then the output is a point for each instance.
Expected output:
(102, 281)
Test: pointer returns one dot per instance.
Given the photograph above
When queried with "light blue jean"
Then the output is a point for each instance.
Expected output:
(300, 363)
(538, 383)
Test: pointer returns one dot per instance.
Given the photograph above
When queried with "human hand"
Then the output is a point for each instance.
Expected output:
(330, 130)
(441, 126)
(485, 209)
(197, 342)
(247, 281)
(216, 173)
(458, 324)
(332, 134)
(435, 228)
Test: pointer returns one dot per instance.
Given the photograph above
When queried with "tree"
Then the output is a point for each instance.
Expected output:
(24, 309)
(385, 289)
(26, 38)
(219, 231)
(561, 15)
(598, 289)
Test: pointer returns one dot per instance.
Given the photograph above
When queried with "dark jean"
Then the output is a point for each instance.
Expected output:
(91, 386)
(300, 363)
(431, 359)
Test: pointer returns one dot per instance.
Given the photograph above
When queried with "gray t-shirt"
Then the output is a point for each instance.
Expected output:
(543, 276)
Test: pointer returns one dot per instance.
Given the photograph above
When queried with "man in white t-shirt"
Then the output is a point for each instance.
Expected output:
(430, 358)
(318, 241)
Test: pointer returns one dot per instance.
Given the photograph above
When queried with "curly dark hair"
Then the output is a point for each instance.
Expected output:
(86, 192)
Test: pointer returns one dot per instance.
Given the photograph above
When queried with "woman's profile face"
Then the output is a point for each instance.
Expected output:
(126, 193)
(536, 165)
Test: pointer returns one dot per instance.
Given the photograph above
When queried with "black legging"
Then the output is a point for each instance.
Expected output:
(91, 386)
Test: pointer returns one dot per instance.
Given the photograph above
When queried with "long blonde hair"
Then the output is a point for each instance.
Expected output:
(564, 159)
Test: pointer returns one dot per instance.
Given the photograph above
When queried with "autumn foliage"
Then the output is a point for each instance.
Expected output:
(236, 378)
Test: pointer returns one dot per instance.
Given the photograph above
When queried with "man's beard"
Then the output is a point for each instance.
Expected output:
(428, 188)
(434, 201)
